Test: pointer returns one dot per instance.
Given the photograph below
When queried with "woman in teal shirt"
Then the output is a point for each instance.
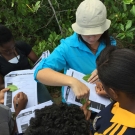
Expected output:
(80, 50)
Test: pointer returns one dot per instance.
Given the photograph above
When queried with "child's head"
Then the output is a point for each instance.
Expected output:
(7, 44)
(60, 119)
(116, 70)
(5, 35)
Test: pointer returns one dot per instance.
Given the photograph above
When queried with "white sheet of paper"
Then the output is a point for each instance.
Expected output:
(25, 82)
(44, 55)
(97, 102)
(23, 118)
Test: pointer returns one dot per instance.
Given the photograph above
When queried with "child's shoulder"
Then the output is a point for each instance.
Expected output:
(4, 108)
(106, 110)
(105, 114)
(110, 121)
(6, 121)
(102, 120)
(5, 113)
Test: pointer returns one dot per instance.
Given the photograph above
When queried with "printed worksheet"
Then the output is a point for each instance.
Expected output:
(97, 103)
(44, 55)
(23, 118)
(20, 81)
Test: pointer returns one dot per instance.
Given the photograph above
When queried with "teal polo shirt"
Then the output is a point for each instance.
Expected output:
(72, 53)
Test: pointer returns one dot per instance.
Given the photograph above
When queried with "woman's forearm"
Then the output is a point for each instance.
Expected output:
(50, 77)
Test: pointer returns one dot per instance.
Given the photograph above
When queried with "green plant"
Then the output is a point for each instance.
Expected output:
(52, 42)
(43, 23)
(122, 16)
(35, 22)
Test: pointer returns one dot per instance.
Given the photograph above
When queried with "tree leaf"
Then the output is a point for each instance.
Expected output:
(132, 29)
(130, 35)
(133, 10)
(124, 7)
(86, 77)
(121, 35)
(127, 1)
(122, 27)
(12, 87)
(129, 24)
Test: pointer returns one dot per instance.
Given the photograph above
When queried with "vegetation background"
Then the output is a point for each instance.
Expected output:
(43, 23)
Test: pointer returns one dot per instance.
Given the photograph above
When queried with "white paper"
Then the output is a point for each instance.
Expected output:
(97, 102)
(44, 55)
(23, 118)
(25, 82)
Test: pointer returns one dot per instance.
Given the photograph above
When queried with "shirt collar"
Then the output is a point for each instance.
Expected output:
(78, 43)
(82, 46)
(123, 116)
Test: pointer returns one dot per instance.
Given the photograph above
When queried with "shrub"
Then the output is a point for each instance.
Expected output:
(43, 23)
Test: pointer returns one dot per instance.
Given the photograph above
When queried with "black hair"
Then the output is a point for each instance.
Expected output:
(60, 119)
(5, 35)
(104, 55)
(104, 37)
(116, 69)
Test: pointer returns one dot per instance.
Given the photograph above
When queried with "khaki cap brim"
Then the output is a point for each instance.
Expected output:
(91, 30)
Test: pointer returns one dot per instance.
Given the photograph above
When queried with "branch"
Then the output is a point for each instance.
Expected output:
(55, 16)
(46, 24)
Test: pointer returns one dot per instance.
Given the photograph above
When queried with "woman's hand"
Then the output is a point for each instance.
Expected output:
(94, 77)
(80, 89)
(2, 92)
(87, 112)
(20, 101)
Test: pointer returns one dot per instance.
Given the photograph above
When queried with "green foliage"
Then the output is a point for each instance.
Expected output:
(122, 15)
(52, 41)
(127, 1)
(86, 77)
(35, 22)
(42, 24)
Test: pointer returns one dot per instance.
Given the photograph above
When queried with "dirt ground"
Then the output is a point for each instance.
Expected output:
(55, 94)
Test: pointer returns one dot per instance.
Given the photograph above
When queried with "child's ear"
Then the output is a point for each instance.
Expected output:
(113, 94)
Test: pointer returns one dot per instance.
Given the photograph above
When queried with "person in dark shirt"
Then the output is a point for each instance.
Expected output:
(15, 55)
(116, 71)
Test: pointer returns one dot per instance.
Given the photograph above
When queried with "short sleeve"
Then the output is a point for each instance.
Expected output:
(55, 61)
(23, 47)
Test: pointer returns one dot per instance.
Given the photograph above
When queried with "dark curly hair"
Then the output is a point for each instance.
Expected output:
(5, 35)
(60, 119)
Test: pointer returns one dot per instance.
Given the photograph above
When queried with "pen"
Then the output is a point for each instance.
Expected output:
(17, 102)
(67, 92)
(68, 89)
